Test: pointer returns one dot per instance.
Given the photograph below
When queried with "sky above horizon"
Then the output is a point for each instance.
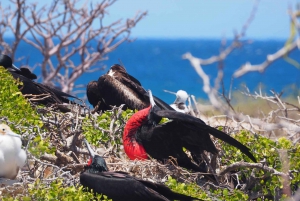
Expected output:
(203, 18)
(207, 18)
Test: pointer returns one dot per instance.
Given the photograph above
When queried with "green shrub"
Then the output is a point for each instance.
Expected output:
(192, 189)
(38, 191)
(106, 129)
(12, 103)
(265, 149)
(15, 108)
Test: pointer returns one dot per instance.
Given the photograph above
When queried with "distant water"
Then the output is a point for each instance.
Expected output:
(158, 65)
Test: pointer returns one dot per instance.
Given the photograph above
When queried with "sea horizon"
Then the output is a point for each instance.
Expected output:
(158, 65)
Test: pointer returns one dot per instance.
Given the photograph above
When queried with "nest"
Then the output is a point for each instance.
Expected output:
(64, 131)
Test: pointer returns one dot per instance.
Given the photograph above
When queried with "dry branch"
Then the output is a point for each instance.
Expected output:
(248, 67)
(238, 165)
(62, 31)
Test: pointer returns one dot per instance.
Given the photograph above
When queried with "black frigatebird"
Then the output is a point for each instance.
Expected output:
(143, 136)
(117, 87)
(31, 87)
(121, 186)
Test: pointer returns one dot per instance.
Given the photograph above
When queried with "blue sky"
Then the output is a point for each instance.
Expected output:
(206, 18)
(203, 18)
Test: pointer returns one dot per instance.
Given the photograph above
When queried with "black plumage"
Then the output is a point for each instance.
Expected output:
(121, 186)
(31, 87)
(117, 87)
(143, 136)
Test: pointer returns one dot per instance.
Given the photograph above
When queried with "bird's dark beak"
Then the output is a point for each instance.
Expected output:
(152, 103)
(92, 153)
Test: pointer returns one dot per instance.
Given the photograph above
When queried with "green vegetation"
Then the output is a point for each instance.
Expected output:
(267, 184)
(13, 105)
(56, 191)
(194, 190)
(106, 130)
(16, 109)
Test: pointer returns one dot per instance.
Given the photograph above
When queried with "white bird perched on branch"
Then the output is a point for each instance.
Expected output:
(12, 156)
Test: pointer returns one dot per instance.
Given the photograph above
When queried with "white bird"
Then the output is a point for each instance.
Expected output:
(180, 102)
(12, 156)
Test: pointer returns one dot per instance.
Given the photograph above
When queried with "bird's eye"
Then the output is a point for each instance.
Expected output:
(3, 129)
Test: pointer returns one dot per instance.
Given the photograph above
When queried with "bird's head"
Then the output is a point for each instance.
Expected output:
(181, 97)
(115, 70)
(6, 62)
(96, 163)
(27, 73)
(5, 130)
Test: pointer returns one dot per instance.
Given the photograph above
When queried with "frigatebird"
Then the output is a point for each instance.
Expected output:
(117, 87)
(143, 136)
(121, 186)
(180, 102)
(31, 87)
(12, 156)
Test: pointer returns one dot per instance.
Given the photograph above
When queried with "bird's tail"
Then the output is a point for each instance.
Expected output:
(228, 139)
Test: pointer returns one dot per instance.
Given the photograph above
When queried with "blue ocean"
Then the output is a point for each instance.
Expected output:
(158, 65)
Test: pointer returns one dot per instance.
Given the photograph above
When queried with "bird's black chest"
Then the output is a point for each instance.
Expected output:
(159, 141)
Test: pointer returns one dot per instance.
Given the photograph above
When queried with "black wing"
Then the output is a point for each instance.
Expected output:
(119, 186)
(34, 88)
(166, 192)
(92, 93)
(198, 123)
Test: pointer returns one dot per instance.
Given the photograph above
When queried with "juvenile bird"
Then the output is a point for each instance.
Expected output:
(12, 156)
(180, 102)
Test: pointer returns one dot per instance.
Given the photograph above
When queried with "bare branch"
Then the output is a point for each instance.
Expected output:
(64, 30)
(237, 165)
(246, 68)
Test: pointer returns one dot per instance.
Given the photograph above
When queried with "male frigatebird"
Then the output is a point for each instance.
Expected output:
(117, 87)
(31, 87)
(121, 186)
(12, 156)
(143, 136)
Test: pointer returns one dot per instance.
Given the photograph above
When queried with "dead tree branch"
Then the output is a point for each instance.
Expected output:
(62, 31)
(248, 67)
(237, 165)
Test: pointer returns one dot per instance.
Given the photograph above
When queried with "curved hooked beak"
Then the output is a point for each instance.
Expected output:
(92, 153)
(15, 67)
(171, 92)
(13, 134)
(151, 98)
